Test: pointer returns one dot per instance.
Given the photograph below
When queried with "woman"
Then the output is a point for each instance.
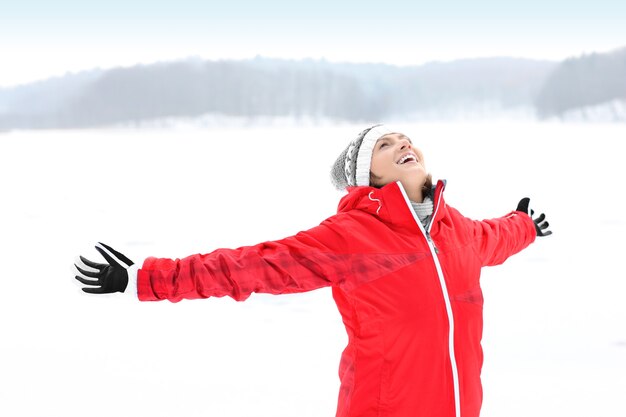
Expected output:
(404, 269)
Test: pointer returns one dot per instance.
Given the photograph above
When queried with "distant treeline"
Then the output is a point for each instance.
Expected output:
(582, 82)
(309, 88)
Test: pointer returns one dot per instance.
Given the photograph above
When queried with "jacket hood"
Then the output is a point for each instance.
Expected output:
(388, 203)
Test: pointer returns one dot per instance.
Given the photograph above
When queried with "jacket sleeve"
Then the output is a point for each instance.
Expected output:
(306, 261)
(497, 239)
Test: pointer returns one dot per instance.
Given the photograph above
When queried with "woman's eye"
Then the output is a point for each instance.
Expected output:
(383, 144)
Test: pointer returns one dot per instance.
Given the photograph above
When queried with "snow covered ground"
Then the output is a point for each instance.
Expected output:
(555, 316)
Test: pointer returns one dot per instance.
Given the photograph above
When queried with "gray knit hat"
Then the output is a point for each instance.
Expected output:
(352, 167)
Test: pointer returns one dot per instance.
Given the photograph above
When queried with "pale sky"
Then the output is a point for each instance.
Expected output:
(39, 39)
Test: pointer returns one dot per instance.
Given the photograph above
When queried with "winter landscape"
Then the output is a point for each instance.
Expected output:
(554, 341)
(173, 128)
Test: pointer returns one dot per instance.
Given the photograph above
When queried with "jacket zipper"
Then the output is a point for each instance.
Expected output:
(444, 289)
(431, 242)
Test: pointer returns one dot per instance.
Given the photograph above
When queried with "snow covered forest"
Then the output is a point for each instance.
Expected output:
(198, 91)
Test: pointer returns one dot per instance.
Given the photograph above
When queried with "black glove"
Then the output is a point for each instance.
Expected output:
(541, 225)
(111, 277)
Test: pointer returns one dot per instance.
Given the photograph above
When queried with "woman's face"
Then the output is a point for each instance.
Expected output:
(394, 158)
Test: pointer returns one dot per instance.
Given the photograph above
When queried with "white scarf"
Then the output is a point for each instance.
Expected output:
(423, 210)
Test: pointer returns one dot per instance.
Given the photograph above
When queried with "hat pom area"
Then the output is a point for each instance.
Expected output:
(352, 167)
(343, 171)
(338, 173)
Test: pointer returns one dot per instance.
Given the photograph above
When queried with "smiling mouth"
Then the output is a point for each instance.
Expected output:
(406, 159)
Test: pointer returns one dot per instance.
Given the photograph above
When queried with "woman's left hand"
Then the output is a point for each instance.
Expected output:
(541, 224)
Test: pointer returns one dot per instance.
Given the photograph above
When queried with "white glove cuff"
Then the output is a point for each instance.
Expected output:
(132, 271)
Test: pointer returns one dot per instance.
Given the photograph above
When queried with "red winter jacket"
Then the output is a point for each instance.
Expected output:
(410, 298)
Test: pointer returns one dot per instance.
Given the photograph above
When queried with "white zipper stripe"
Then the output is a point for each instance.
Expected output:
(446, 297)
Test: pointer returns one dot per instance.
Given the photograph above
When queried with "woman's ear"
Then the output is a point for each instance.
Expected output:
(375, 180)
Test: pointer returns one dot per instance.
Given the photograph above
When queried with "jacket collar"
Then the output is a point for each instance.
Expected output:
(390, 203)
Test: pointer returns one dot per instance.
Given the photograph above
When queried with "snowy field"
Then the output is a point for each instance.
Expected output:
(555, 315)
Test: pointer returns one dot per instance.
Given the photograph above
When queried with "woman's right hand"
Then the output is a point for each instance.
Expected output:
(107, 278)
